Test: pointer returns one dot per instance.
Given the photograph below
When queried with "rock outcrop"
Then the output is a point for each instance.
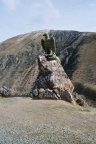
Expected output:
(52, 81)
(4, 91)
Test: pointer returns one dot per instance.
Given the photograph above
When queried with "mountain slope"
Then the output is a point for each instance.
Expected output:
(18, 58)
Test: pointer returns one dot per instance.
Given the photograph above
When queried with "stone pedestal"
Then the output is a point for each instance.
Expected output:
(52, 81)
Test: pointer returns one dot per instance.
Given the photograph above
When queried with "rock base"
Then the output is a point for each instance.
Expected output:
(52, 82)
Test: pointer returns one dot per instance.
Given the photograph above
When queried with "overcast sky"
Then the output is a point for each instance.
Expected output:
(22, 16)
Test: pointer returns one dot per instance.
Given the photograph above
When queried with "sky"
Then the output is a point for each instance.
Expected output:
(23, 16)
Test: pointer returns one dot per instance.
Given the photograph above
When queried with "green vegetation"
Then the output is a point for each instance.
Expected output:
(87, 90)
(7, 100)
(85, 110)
(31, 44)
(1, 71)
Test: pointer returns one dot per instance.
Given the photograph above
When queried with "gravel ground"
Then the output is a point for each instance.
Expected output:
(26, 121)
(43, 134)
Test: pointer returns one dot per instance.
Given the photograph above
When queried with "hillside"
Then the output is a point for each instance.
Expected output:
(77, 51)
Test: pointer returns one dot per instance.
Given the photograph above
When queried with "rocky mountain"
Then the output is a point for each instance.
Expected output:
(76, 50)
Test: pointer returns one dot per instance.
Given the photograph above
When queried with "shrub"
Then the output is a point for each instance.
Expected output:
(85, 89)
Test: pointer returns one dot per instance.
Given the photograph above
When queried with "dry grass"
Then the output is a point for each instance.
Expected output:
(23, 120)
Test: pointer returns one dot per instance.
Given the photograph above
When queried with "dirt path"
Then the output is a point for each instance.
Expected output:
(26, 121)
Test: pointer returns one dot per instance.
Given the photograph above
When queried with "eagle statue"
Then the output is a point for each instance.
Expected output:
(48, 45)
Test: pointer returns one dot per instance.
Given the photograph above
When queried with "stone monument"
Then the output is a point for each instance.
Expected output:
(52, 81)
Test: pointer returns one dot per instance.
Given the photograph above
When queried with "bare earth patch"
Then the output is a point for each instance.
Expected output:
(27, 121)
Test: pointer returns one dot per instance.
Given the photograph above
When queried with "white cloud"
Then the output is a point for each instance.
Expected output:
(11, 4)
(30, 15)
(51, 11)
(44, 13)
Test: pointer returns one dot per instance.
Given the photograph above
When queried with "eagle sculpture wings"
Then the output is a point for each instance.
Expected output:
(48, 44)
